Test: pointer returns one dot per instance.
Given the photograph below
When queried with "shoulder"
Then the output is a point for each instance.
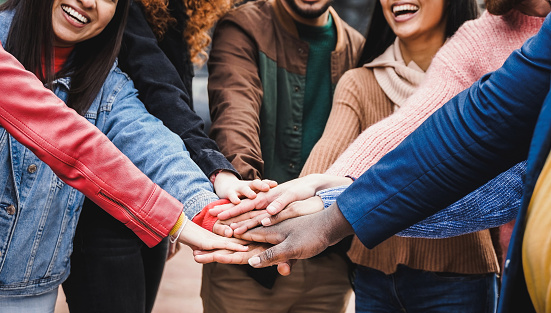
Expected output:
(249, 15)
(359, 79)
(360, 83)
(117, 84)
(347, 32)
(5, 22)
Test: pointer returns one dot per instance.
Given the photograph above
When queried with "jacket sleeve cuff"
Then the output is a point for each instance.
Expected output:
(204, 219)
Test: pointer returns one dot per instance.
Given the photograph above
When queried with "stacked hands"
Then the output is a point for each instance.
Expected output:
(277, 224)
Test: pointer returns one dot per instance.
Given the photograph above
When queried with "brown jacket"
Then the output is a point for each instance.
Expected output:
(257, 69)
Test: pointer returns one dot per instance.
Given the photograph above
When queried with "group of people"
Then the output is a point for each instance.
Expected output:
(324, 144)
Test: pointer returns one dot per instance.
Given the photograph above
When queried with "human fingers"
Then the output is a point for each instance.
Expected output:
(284, 268)
(247, 190)
(295, 209)
(221, 229)
(262, 185)
(243, 226)
(233, 196)
(220, 208)
(246, 205)
(282, 201)
(196, 236)
(243, 217)
(227, 256)
(271, 183)
(278, 254)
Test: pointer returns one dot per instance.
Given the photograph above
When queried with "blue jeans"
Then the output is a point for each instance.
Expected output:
(43, 303)
(410, 290)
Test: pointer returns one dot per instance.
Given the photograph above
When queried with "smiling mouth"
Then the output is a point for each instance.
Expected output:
(404, 9)
(74, 14)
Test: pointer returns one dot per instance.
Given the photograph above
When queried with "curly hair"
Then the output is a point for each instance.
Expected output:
(202, 15)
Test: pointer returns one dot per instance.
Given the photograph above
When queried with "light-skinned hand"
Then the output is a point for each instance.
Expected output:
(228, 186)
(199, 238)
(279, 197)
(295, 209)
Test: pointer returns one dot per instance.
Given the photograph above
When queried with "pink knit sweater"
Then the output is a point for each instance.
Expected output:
(478, 47)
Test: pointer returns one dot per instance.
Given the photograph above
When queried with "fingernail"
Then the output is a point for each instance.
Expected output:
(254, 261)
(270, 209)
(266, 222)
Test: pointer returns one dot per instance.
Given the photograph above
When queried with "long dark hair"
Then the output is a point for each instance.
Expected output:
(90, 61)
(380, 36)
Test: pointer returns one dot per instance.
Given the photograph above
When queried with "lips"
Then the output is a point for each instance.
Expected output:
(74, 14)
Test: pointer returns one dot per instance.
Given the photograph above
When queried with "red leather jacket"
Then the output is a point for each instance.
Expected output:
(81, 155)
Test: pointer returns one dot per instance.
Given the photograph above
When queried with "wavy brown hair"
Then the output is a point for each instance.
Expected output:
(202, 15)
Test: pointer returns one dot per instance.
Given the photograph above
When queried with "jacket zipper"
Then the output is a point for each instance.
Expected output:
(132, 215)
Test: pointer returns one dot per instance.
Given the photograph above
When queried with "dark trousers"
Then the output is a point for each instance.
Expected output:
(112, 270)
(415, 291)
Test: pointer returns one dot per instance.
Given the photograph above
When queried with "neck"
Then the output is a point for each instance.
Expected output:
(534, 7)
(318, 21)
(421, 50)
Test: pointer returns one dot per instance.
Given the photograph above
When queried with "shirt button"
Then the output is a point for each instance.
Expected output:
(291, 165)
(295, 127)
(32, 168)
(297, 88)
(10, 209)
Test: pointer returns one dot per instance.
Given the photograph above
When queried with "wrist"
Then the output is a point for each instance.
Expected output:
(178, 228)
(338, 226)
(212, 177)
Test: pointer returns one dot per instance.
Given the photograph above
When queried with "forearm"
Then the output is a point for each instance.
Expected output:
(478, 134)
(81, 155)
(235, 97)
(163, 92)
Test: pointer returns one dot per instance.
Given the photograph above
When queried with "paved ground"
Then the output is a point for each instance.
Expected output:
(179, 291)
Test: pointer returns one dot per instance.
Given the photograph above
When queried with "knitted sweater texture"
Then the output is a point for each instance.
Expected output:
(358, 103)
(478, 47)
(362, 109)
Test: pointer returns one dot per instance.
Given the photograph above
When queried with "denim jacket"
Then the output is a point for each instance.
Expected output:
(39, 212)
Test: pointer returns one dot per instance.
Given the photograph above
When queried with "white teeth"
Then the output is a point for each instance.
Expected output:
(404, 7)
(74, 14)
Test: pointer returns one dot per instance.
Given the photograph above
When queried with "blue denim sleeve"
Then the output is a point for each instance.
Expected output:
(481, 132)
(491, 205)
(154, 149)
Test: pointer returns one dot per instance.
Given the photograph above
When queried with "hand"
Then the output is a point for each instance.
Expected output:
(199, 238)
(299, 238)
(224, 228)
(279, 197)
(228, 186)
(295, 209)
(229, 257)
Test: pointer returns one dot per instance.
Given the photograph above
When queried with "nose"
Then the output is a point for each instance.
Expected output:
(89, 4)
